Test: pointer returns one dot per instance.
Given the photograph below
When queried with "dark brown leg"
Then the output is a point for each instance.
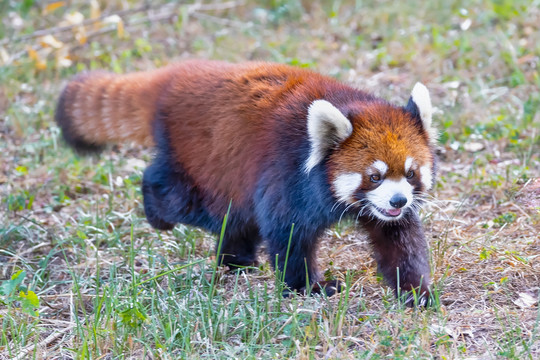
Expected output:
(401, 252)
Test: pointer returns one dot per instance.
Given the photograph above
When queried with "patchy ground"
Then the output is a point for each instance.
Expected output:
(75, 226)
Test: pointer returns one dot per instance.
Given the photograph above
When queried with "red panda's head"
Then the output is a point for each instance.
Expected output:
(381, 155)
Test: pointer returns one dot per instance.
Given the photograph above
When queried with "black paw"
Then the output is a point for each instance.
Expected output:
(160, 224)
(241, 268)
(414, 299)
(238, 263)
(328, 288)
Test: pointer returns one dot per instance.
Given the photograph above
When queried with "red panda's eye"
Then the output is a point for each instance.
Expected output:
(410, 174)
(375, 178)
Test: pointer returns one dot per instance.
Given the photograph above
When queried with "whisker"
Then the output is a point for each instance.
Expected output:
(350, 205)
(336, 205)
(347, 208)
(438, 200)
(434, 204)
(361, 212)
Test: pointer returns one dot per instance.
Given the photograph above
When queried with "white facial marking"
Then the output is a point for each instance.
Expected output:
(346, 184)
(427, 177)
(326, 125)
(408, 164)
(380, 197)
(381, 167)
(420, 96)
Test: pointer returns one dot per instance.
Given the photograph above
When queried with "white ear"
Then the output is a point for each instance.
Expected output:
(326, 127)
(420, 96)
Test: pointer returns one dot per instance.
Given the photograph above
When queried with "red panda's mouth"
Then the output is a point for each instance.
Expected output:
(390, 212)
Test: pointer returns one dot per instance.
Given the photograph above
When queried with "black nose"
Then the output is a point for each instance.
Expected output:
(398, 201)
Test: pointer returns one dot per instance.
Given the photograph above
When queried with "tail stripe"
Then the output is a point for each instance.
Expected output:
(97, 108)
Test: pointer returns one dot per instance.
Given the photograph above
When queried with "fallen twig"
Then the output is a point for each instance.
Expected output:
(49, 339)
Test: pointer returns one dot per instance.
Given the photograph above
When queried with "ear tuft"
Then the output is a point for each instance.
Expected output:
(326, 127)
(420, 97)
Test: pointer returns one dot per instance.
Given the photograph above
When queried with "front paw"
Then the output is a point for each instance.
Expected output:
(422, 297)
(328, 288)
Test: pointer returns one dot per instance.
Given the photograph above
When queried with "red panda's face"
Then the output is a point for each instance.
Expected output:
(381, 190)
(380, 155)
(384, 165)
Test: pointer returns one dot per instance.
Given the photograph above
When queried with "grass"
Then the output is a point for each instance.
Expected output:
(82, 274)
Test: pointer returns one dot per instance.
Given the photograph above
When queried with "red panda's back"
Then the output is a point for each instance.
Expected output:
(219, 117)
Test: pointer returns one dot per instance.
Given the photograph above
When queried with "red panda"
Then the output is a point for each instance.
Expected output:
(283, 146)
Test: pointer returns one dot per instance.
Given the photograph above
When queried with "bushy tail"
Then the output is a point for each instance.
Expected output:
(97, 108)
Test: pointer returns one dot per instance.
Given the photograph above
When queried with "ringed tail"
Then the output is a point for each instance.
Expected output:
(98, 108)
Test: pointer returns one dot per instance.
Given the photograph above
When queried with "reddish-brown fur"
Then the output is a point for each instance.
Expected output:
(190, 95)
(237, 139)
(238, 134)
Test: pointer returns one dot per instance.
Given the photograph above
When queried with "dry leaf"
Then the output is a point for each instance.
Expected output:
(65, 62)
(63, 59)
(74, 18)
(4, 56)
(95, 11)
(525, 300)
(474, 146)
(115, 19)
(50, 41)
(33, 54)
(120, 29)
(453, 333)
(53, 6)
(80, 35)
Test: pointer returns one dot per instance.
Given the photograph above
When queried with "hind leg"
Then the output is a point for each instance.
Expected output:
(239, 246)
(154, 208)
(170, 198)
